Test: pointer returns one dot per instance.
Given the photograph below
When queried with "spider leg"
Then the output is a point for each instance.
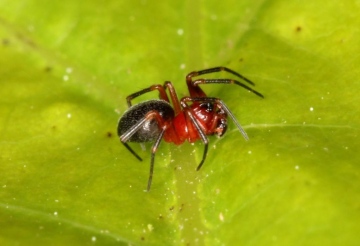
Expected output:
(222, 105)
(153, 151)
(195, 91)
(225, 81)
(202, 136)
(174, 98)
(217, 69)
(132, 130)
(127, 135)
(132, 151)
(160, 88)
(199, 130)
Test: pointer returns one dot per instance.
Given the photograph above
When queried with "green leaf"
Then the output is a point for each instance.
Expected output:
(65, 71)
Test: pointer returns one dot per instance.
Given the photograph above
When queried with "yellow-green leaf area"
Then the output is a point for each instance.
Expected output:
(67, 67)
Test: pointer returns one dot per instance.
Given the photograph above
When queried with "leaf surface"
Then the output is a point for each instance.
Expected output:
(67, 67)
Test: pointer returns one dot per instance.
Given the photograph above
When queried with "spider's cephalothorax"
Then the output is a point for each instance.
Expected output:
(213, 116)
(189, 119)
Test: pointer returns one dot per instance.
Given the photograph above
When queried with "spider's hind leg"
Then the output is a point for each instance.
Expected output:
(160, 88)
(132, 151)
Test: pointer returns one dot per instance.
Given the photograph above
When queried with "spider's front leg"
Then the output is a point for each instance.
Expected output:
(222, 105)
(215, 70)
(189, 113)
(196, 114)
(195, 91)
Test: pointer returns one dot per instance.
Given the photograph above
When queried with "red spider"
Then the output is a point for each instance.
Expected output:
(191, 118)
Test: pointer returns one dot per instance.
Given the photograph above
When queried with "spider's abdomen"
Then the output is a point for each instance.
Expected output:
(150, 129)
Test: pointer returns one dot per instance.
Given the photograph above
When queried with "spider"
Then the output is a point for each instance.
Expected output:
(191, 118)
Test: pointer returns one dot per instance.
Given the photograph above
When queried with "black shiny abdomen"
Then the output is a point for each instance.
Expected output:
(150, 130)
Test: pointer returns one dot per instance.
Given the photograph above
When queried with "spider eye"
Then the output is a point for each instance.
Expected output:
(207, 106)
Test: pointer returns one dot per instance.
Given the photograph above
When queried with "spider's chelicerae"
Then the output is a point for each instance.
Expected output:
(191, 118)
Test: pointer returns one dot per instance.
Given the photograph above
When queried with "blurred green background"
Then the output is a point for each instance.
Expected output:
(65, 71)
